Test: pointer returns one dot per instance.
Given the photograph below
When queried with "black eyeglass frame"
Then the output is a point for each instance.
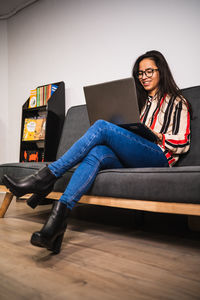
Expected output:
(141, 73)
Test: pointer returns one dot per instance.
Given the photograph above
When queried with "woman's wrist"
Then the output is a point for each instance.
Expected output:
(160, 138)
(159, 135)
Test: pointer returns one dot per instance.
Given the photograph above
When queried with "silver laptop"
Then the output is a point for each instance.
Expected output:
(116, 102)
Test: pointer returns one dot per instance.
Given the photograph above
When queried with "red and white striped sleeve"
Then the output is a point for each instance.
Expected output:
(178, 141)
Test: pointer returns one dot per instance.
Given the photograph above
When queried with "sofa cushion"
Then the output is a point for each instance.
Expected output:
(181, 184)
(20, 170)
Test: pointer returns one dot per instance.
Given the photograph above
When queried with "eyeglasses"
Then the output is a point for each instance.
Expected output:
(148, 72)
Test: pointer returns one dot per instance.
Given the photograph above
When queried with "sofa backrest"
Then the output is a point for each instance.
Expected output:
(77, 122)
(192, 158)
(75, 125)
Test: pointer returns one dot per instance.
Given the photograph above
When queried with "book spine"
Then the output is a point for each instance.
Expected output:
(43, 101)
(38, 97)
(53, 88)
(45, 95)
(41, 96)
(48, 92)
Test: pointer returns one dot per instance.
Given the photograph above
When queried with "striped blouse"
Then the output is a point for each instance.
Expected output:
(171, 118)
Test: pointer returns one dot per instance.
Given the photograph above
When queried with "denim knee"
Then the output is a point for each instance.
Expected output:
(99, 152)
(100, 123)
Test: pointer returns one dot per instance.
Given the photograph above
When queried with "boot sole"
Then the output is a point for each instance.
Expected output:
(43, 243)
(38, 242)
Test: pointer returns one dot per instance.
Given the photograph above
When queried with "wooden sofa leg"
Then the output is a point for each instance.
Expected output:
(5, 204)
(194, 223)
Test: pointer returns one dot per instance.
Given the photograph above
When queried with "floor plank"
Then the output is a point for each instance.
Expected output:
(101, 258)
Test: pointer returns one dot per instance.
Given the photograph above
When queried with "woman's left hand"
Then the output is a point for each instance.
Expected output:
(159, 135)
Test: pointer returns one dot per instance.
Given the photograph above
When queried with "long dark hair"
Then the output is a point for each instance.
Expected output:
(167, 84)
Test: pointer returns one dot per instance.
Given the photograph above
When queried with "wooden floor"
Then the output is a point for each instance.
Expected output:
(115, 260)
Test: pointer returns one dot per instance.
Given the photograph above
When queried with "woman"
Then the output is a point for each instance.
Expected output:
(106, 145)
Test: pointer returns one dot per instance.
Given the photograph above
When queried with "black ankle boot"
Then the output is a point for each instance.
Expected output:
(40, 183)
(52, 233)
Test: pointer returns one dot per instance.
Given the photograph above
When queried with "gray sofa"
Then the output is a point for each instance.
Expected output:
(170, 190)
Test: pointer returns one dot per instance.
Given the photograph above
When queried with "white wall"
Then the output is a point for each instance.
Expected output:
(88, 41)
(4, 91)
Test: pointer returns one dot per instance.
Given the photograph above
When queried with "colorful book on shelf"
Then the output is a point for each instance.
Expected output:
(41, 95)
(53, 88)
(34, 129)
(30, 156)
(33, 155)
(33, 99)
(48, 92)
(38, 96)
(45, 95)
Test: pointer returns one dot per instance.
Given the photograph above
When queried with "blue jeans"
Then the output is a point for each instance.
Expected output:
(104, 146)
